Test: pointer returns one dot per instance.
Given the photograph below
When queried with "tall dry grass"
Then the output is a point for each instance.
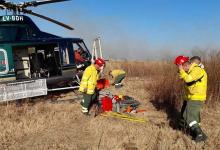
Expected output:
(212, 66)
(138, 68)
(62, 126)
(166, 88)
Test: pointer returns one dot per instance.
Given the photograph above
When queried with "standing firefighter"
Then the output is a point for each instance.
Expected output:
(88, 84)
(195, 79)
(117, 76)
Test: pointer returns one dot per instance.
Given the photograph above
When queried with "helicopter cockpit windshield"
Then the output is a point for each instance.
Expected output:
(82, 55)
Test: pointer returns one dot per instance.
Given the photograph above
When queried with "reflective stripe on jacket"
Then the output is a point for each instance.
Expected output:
(196, 83)
(116, 73)
(89, 80)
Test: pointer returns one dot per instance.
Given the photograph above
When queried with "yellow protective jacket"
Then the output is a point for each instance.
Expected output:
(117, 72)
(196, 83)
(89, 80)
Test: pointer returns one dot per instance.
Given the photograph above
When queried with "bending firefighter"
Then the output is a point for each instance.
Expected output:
(117, 77)
(88, 84)
(195, 79)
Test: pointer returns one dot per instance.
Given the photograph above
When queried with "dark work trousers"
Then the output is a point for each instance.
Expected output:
(190, 112)
(88, 100)
(119, 78)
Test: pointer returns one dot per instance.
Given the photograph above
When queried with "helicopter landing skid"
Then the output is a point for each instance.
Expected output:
(64, 88)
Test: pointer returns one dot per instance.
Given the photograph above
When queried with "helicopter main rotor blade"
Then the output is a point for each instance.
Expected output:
(9, 5)
(39, 2)
(2, 7)
(47, 18)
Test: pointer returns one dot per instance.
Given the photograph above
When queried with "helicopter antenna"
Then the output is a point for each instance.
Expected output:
(21, 8)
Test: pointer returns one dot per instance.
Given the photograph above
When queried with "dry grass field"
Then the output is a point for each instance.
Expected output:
(60, 125)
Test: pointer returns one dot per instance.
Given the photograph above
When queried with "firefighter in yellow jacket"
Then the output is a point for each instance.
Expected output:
(195, 79)
(117, 76)
(88, 84)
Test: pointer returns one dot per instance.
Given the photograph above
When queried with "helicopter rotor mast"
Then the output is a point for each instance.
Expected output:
(17, 8)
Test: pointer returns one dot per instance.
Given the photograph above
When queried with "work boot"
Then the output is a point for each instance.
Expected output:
(85, 110)
(86, 113)
(198, 134)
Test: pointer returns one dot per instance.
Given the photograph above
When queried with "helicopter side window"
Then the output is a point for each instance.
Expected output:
(7, 33)
(13, 32)
(21, 33)
(66, 54)
(3, 62)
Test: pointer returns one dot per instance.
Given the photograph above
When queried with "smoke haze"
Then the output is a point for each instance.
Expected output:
(131, 29)
(120, 43)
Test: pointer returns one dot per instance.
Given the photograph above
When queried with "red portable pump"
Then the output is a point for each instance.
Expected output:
(106, 103)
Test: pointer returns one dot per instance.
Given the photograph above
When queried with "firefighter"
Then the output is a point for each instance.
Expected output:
(195, 79)
(88, 84)
(117, 77)
(197, 60)
(78, 57)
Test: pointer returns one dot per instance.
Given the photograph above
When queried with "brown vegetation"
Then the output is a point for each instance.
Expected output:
(156, 85)
(212, 65)
(166, 87)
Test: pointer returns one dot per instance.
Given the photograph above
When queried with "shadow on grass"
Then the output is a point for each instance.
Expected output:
(173, 114)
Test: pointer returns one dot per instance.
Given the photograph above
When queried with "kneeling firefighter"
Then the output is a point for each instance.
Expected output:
(195, 79)
(88, 84)
(117, 76)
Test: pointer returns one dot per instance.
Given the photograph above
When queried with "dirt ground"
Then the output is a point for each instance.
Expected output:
(49, 124)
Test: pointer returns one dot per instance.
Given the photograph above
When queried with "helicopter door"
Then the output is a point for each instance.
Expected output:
(21, 63)
(67, 60)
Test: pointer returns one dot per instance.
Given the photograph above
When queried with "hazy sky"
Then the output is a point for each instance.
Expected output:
(139, 29)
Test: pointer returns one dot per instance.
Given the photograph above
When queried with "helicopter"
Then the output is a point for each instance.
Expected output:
(33, 62)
